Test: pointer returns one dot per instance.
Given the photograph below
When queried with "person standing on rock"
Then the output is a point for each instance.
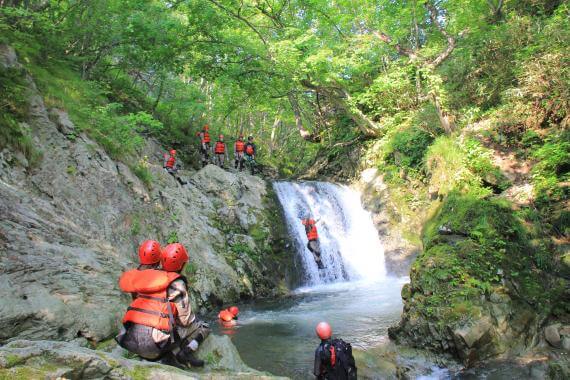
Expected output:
(204, 137)
(333, 357)
(221, 152)
(313, 240)
(172, 167)
(250, 152)
(159, 323)
(239, 149)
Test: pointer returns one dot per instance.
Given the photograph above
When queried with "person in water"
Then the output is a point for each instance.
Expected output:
(313, 239)
(333, 357)
(229, 316)
(159, 323)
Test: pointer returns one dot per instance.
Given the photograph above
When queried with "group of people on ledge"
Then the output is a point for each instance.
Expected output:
(244, 154)
(159, 324)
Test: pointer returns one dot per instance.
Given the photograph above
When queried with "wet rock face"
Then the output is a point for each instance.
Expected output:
(398, 252)
(24, 359)
(71, 224)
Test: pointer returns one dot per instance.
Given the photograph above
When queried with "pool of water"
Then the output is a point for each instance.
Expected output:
(278, 336)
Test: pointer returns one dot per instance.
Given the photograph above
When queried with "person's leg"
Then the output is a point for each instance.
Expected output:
(193, 336)
(138, 340)
(315, 249)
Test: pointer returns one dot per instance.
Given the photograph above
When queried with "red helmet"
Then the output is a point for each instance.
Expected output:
(173, 257)
(221, 136)
(149, 252)
(234, 310)
(324, 330)
(206, 127)
(172, 152)
(226, 316)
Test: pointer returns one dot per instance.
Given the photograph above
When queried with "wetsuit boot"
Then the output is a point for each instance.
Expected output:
(186, 356)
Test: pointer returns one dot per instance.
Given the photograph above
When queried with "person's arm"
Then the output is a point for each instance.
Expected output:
(178, 294)
(317, 370)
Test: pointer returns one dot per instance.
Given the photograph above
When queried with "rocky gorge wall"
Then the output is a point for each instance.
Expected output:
(72, 222)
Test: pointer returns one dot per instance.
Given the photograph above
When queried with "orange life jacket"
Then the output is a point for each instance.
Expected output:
(170, 162)
(150, 307)
(225, 315)
(240, 146)
(220, 147)
(312, 234)
(249, 149)
(206, 137)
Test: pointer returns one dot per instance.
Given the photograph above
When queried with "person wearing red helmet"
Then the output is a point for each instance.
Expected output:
(250, 152)
(221, 152)
(204, 136)
(313, 239)
(239, 150)
(333, 357)
(159, 323)
(229, 315)
(171, 166)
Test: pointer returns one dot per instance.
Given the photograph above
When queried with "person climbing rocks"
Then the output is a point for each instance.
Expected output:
(333, 357)
(221, 152)
(204, 137)
(239, 149)
(313, 239)
(250, 152)
(159, 324)
(171, 166)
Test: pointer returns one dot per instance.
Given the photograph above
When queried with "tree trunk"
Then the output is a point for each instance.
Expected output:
(446, 120)
(306, 135)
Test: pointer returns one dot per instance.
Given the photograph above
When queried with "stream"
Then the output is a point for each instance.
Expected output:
(353, 293)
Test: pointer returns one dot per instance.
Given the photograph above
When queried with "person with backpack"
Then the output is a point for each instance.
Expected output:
(221, 152)
(159, 324)
(239, 149)
(250, 152)
(333, 357)
(204, 137)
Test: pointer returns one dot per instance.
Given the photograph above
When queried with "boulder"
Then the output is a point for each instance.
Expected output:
(54, 360)
(552, 336)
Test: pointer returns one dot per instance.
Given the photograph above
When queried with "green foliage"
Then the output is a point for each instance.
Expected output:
(142, 170)
(408, 147)
(172, 237)
(483, 242)
(13, 111)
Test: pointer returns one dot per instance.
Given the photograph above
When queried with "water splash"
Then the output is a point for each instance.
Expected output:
(351, 248)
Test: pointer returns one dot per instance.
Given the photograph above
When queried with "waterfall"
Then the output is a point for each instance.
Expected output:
(351, 248)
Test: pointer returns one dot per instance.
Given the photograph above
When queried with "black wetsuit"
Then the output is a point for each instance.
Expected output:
(323, 368)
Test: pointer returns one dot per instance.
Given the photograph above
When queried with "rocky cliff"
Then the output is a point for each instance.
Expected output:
(72, 221)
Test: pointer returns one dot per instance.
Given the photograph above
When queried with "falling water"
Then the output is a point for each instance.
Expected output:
(351, 249)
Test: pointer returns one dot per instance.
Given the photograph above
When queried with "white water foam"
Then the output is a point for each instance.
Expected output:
(351, 248)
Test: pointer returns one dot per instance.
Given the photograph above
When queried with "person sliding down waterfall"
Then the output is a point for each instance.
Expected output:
(333, 357)
(239, 148)
(172, 167)
(221, 152)
(250, 152)
(159, 324)
(204, 137)
(313, 237)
